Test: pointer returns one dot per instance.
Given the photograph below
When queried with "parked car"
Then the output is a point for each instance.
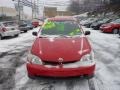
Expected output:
(88, 24)
(29, 24)
(8, 28)
(37, 22)
(112, 27)
(49, 55)
(96, 25)
(84, 21)
(23, 27)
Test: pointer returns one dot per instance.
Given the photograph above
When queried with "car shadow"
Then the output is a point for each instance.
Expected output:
(48, 83)
(8, 37)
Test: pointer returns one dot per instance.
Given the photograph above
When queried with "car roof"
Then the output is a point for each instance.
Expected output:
(62, 18)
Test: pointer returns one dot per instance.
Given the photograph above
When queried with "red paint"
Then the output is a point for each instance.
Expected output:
(4, 29)
(40, 70)
(35, 23)
(108, 28)
(60, 47)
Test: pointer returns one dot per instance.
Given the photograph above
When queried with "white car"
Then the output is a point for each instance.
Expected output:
(8, 28)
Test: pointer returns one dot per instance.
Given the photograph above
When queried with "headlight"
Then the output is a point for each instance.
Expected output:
(34, 59)
(86, 60)
(107, 27)
(88, 57)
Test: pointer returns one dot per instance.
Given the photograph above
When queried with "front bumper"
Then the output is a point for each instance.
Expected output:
(107, 30)
(57, 71)
(24, 28)
(95, 27)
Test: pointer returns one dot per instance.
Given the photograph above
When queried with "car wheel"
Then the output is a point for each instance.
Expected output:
(25, 31)
(16, 35)
(115, 31)
(0, 37)
(119, 32)
(88, 76)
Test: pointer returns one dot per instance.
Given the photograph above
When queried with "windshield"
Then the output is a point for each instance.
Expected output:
(104, 20)
(9, 24)
(69, 28)
(22, 23)
(116, 21)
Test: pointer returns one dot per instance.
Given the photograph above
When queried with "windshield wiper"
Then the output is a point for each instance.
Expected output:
(43, 36)
(63, 35)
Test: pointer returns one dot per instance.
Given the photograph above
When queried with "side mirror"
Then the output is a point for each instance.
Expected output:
(34, 33)
(87, 32)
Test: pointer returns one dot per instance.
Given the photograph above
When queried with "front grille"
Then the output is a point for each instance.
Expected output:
(12, 28)
(57, 63)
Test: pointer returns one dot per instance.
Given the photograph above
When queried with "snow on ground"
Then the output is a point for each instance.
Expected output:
(12, 43)
(12, 55)
(107, 55)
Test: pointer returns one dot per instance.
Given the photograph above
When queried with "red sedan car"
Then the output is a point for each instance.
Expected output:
(61, 49)
(112, 27)
(37, 23)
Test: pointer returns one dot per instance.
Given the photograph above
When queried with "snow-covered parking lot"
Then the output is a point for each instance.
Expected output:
(13, 76)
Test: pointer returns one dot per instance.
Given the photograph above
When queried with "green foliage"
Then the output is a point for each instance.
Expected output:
(113, 6)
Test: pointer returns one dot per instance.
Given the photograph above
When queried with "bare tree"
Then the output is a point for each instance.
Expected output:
(113, 6)
(74, 7)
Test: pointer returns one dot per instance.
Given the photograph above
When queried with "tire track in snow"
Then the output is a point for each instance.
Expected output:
(107, 49)
(106, 57)
(60, 84)
(15, 59)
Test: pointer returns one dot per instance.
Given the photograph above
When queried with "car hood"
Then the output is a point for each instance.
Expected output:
(65, 49)
(95, 24)
(108, 24)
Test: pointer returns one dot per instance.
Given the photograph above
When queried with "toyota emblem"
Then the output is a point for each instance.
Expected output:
(60, 60)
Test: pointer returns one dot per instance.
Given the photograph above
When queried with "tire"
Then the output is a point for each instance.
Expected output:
(0, 37)
(16, 35)
(25, 31)
(88, 76)
(115, 31)
(119, 32)
(31, 28)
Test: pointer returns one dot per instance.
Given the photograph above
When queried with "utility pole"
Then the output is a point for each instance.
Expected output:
(19, 14)
(2, 11)
(18, 6)
(28, 3)
(44, 8)
(32, 9)
(38, 8)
